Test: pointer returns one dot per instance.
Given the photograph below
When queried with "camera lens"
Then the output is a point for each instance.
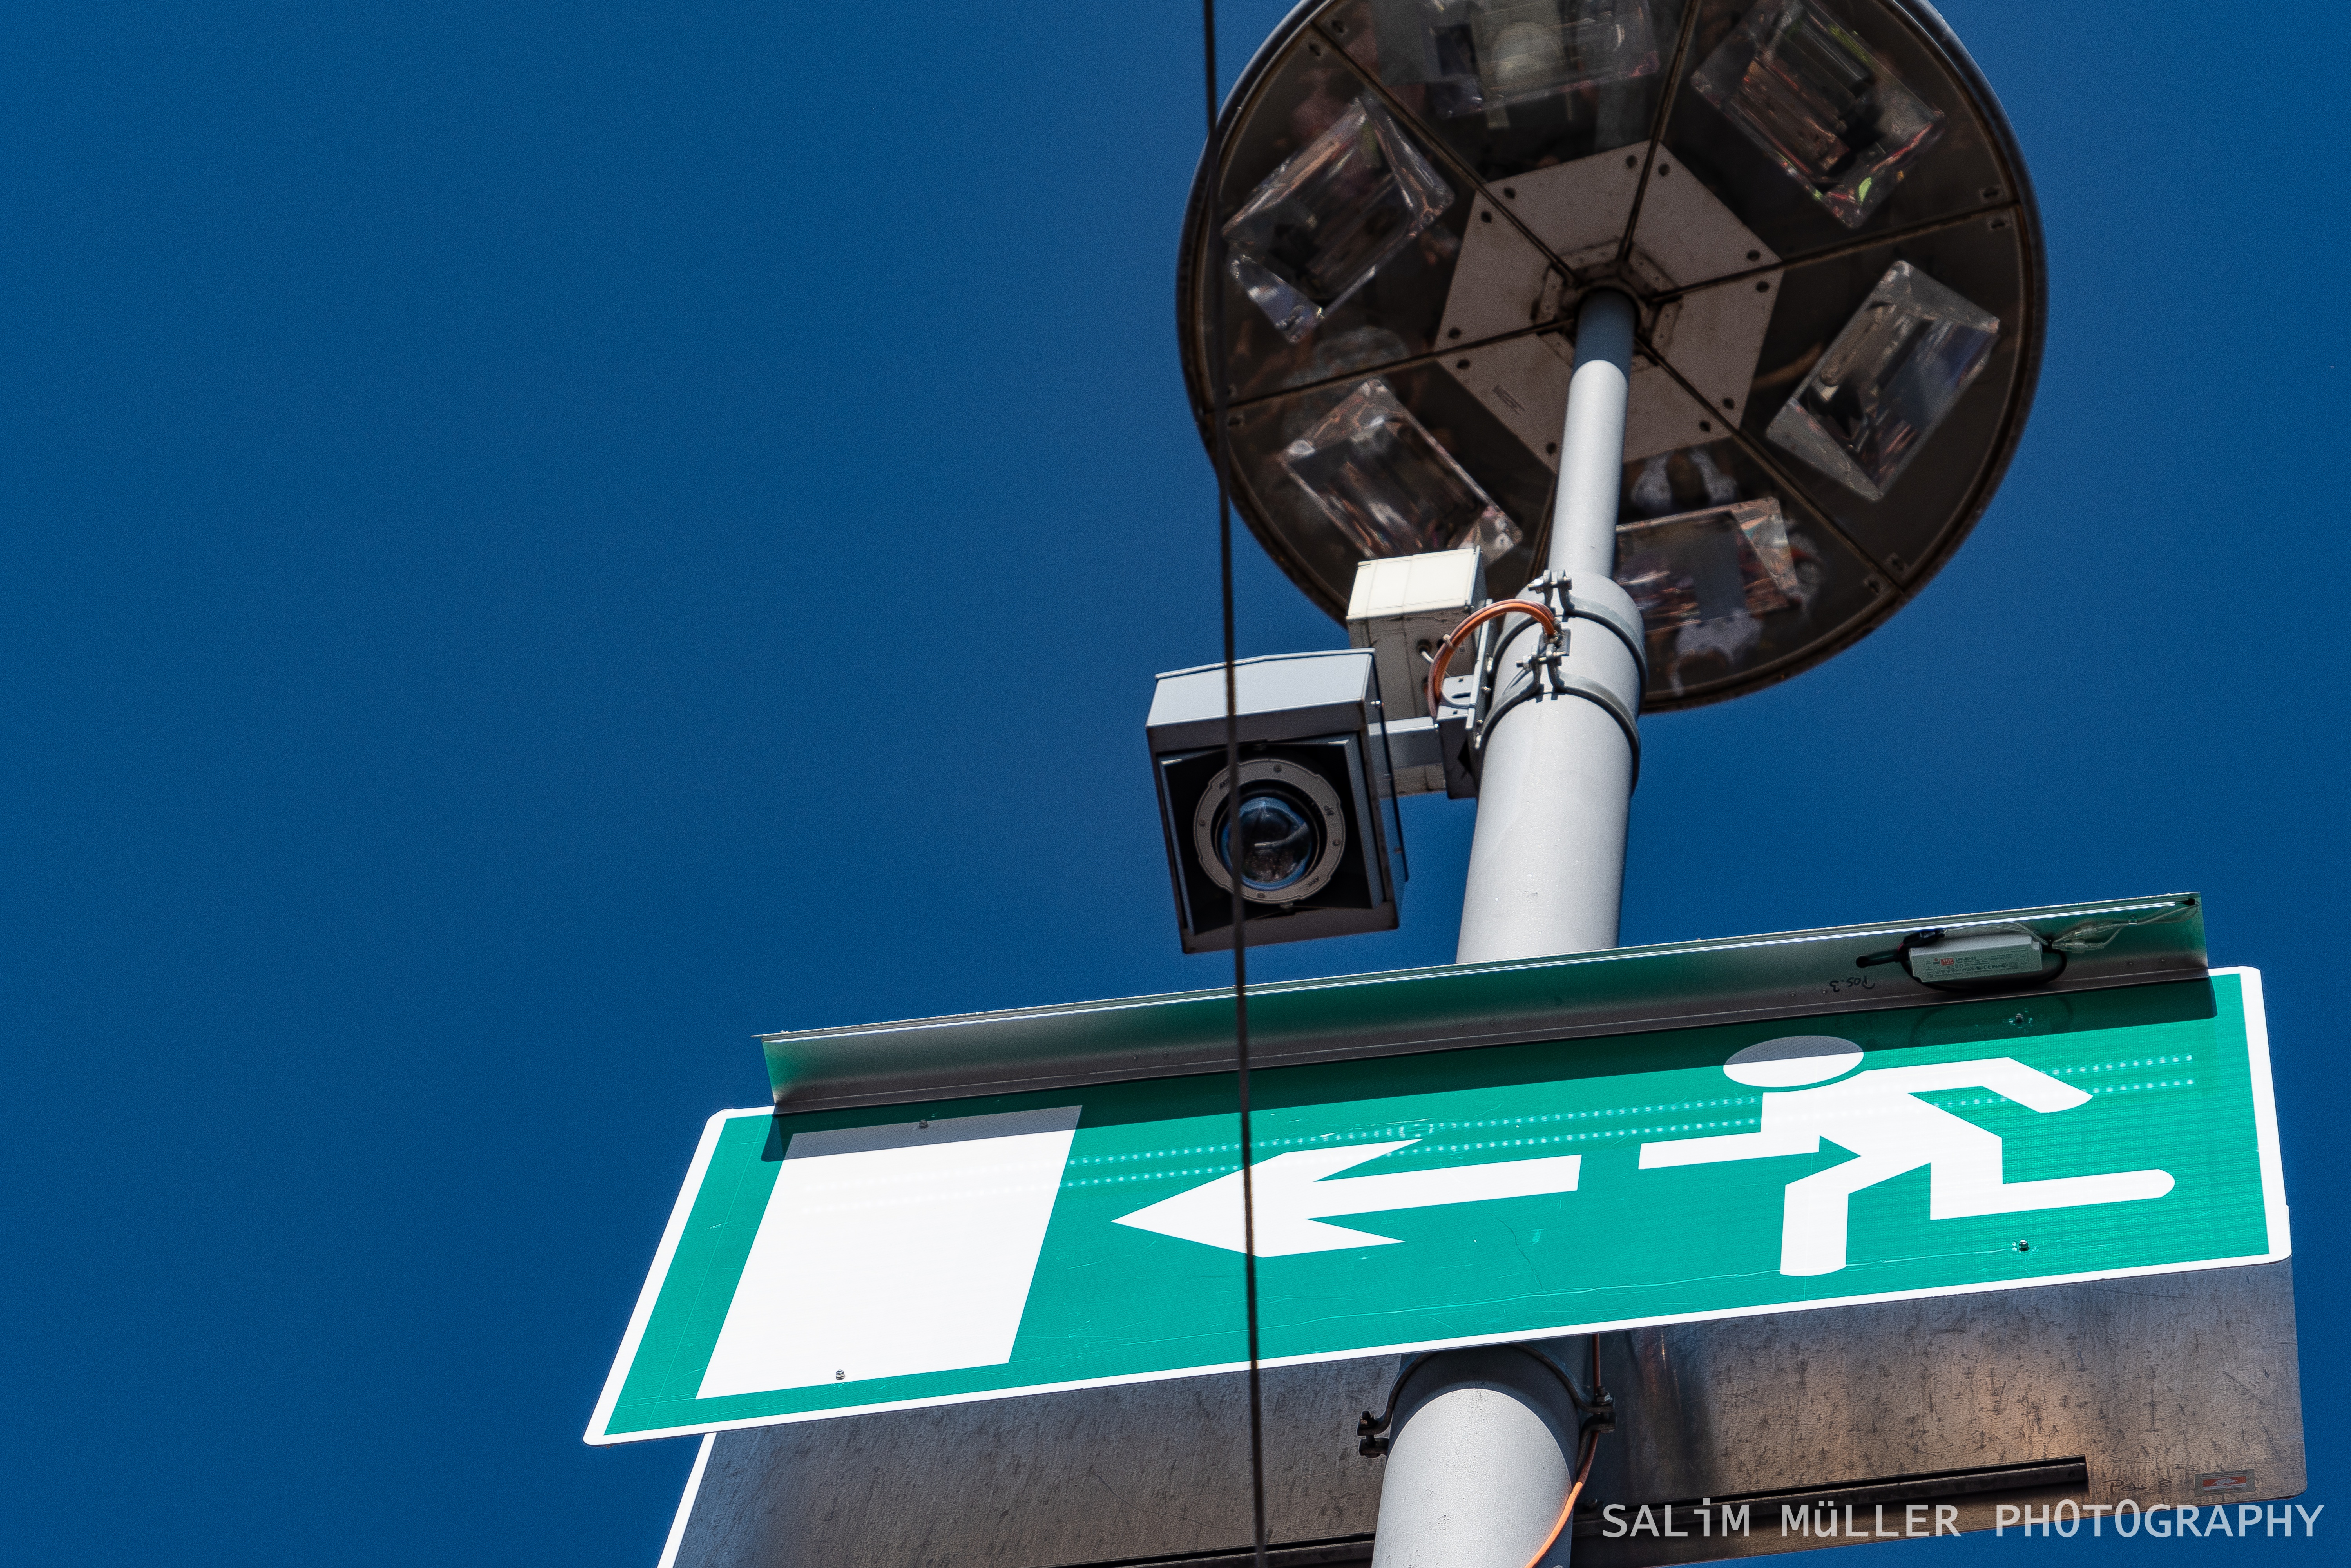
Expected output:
(1277, 840)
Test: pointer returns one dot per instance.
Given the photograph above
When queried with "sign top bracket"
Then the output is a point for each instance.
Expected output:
(1620, 990)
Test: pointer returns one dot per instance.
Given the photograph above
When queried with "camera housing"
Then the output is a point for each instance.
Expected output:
(1318, 849)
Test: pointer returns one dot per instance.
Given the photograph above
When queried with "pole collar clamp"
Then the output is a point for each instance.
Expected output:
(1557, 589)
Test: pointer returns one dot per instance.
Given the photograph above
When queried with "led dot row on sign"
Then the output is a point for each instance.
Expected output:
(1422, 1130)
(1152, 1176)
(1616, 1133)
(2099, 1089)
(1158, 1173)
(1613, 1133)
(1432, 1129)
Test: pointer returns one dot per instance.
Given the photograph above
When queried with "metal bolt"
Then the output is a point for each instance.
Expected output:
(1460, 364)
(1453, 331)
(1509, 195)
(839, 1376)
(1754, 255)
(1730, 402)
(1665, 168)
(1485, 217)
(1762, 286)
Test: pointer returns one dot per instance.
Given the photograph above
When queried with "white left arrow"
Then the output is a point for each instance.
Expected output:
(1292, 1197)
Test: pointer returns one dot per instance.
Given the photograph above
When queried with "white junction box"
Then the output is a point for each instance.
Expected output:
(1402, 608)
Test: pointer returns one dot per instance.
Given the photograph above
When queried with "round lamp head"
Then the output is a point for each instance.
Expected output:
(1818, 209)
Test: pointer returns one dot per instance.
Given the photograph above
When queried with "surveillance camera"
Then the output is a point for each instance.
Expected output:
(1303, 824)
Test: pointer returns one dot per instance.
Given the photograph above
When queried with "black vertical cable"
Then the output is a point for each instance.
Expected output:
(1219, 370)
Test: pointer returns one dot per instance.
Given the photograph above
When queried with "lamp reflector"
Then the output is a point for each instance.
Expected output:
(1485, 56)
(1824, 105)
(1317, 228)
(1376, 471)
(1887, 381)
(1726, 564)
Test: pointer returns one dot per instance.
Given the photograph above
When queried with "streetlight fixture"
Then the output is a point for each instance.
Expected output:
(1818, 212)
(1701, 331)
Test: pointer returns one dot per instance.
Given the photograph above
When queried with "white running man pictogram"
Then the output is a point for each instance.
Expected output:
(1876, 1114)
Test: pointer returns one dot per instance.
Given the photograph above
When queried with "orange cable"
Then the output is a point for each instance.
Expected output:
(1475, 619)
(1567, 1509)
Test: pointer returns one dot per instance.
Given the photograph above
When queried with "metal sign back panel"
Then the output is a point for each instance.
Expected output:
(2140, 1389)
(850, 1261)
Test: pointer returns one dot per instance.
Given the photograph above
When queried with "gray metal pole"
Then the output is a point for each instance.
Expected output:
(1481, 1459)
(1591, 443)
(1547, 863)
(1485, 1444)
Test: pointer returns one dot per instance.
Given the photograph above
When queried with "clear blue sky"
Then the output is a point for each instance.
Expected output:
(544, 540)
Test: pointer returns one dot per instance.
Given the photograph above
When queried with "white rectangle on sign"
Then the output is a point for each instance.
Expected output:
(893, 1250)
